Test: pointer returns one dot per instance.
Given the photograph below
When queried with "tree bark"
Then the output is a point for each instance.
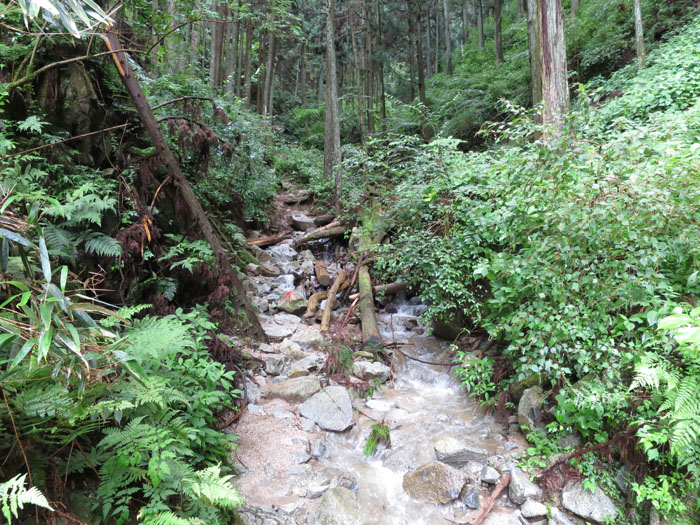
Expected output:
(382, 91)
(639, 35)
(448, 37)
(248, 62)
(479, 23)
(369, 71)
(535, 49)
(358, 79)
(332, 160)
(269, 70)
(302, 73)
(370, 330)
(330, 300)
(497, 32)
(421, 75)
(151, 126)
(574, 7)
(232, 71)
(555, 87)
(217, 42)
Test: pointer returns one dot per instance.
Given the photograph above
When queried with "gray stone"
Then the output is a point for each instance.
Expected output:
(371, 370)
(434, 482)
(274, 364)
(291, 349)
(281, 253)
(341, 478)
(330, 409)
(474, 469)
(529, 406)
(407, 457)
(490, 475)
(319, 448)
(533, 509)
(293, 302)
(296, 390)
(622, 480)
(302, 222)
(276, 331)
(338, 506)
(472, 500)
(255, 515)
(295, 196)
(253, 269)
(593, 506)
(253, 391)
(261, 255)
(309, 338)
(262, 304)
(457, 453)
(521, 488)
(284, 283)
(284, 319)
(557, 517)
(316, 491)
(303, 367)
(256, 410)
(502, 517)
(517, 389)
(269, 270)
(307, 425)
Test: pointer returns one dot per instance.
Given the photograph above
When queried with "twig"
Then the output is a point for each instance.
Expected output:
(245, 399)
(155, 196)
(19, 442)
(180, 117)
(486, 509)
(422, 361)
(176, 100)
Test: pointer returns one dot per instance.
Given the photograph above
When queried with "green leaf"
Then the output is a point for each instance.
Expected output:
(45, 262)
(15, 237)
(26, 347)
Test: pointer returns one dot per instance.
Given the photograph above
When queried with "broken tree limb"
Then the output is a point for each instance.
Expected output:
(370, 330)
(267, 241)
(486, 509)
(332, 229)
(205, 225)
(326, 320)
(322, 273)
(385, 289)
(314, 303)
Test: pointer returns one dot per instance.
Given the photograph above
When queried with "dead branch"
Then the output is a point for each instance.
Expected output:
(326, 320)
(486, 509)
(267, 241)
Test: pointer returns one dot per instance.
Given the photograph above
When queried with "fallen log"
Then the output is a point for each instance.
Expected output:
(370, 330)
(314, 303)
(325, 234)
(269, 240)
(385, 289)
(323, 220)
(322, 273)
(486, 509)
(326, 320)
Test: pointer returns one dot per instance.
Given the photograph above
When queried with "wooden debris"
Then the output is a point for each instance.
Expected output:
(270, 240)
(333, 229)
(385, 289)
(370, 330)
(314, 303)
(322, 273)
(323, 220)
(486, 509)
(326, 320)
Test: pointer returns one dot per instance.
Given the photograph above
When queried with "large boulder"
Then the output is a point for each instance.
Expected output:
(593, 506)
(435, 483)
(529, 406)
(521, 488)
(293, 302)
(276, 331)
(557, 517)
(304, 366)
(369, 370)
(296, 390)
(281, 253)
(274, 364)
(330, 409)
(302, 222)
(457, 453)
(337, 506)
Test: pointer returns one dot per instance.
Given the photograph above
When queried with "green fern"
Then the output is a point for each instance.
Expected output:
(14, 496)
(169, 518)
(156, 337)
(210, 485)
(60, 241)
(102, 245)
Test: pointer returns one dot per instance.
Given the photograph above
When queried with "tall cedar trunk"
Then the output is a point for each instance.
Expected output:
(170, 45)
(321, 91)
(332, 160)
(535, 48)
(358, 80)
(302, 73)
(380, 47)
(153, 57)
(522, 7)
(369, 92)
(269, 70)
(639, 35)
(437, 40)
(480, 23)
(428, 46)
(497, 33)
(151, 126)
(555, 88)
(217, 42)
(248, 62)
(260, 87)
(465, 25)
(195, 41)
(574, 7)
(412, 54)
(232, 72)
(421, 76)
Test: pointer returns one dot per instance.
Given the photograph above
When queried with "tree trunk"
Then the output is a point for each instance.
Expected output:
(465, 25)
(639, 35)
(480, 23)
(217, 42)
(574, 7)
(248, 63)
(269, 70)
(358, 77)
(555, 88)
(369, 72)
(497, 33)
(370, 330)
(421, 77)
(535, 48)
(232, 72)
(448, 37)
(380, 46)
(412, 55)
(330, 300)
(151, 126)
(332, 159)
(302, 73)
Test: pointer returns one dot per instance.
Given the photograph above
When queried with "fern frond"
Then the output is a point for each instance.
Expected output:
(153, 337)
(210, 485)
(102, 245)
(14, 496)
(60, 242)
(169, 518)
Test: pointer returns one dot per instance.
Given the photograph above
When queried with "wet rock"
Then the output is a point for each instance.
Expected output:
(371, 370)
(291, 349)
(303, 367)
(472, 500)
(330, 409)
(338, 506)
(517, 389)
(408, 457)
(593, 506)
(533, 509)
(529, 406)
(296, 390)
(261, 255)
(270, 270)
(502, 517)
(457, 453)
(276, 331)
(341, 478)
(281, 254)
(254, 515)
(316, 491)
(307, 425)
(622, 480)
(410, 324)
(284, 283)
(557, 517)
(296, 196)
(253, 391)
(490, 475)
(293, 302)
(309, 339)
(274, 364)
(319, 448)
(434, 482)
(521, 488)
(474, 469)
(302, 222)
(451, 329)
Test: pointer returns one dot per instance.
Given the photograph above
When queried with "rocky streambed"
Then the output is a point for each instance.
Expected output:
(302, 436)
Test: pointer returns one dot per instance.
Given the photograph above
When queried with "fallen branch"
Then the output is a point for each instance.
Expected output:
(314, 303)
(333, 229)
(324, 279)
(267, 241)
(176, 100)
(386, 289)
(350, 310)
(354, 279)
(423, 361)
(370, 330)
(326, 320)
(486, 509)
